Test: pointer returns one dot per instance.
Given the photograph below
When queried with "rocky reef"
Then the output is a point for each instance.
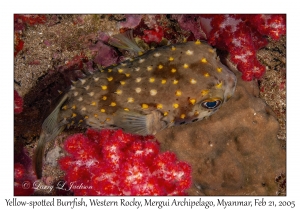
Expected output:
(235, 151)
(240, 150)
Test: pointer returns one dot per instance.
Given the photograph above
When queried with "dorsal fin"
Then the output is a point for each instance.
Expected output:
(125, 41)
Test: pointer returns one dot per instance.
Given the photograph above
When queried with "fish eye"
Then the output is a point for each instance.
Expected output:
(211, 103)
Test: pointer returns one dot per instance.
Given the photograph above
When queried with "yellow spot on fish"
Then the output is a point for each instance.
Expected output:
(73, 107)
(102, 110)
(197, 41)
(160, 66)
(75, 93)
(157, 54)
(192, 101)
(151, 79)
(137, 69)
(74, 115)
(173, 70)
(110, 78)
(130, 100)
(80, 121)
(138, 79)
(113, 104)
(64, 107)
(122, 82)
(119, 92)
(127, 75)
(189, 52)
(178, 93)
(173, 48)
(185, 66)
(165, 113)
(182, 116)
(175, 81)
(138, 90)
(109, 70)
(87, 87)
(120, 71)
(149, 68)
(193, 81)
(153, 92)
(104, 98)
(204, 92)
(72, 87)
(104, 87)
(126, 109)
(140, 53)
(159, 106)
(145, 106)
(86, 117)
(123, 64)
(93, 103)
(91, 94)
(206, 74)
(211, 50)
(171, 59)
(72, 123)
(141, 60)
(163, 81)
(101, 70)
(83, 109)
(219, 85)
(219, 69)
(95, 115)
(203, 60)
(107, 119)
(196, 113)
(96, 79)
(175, 106)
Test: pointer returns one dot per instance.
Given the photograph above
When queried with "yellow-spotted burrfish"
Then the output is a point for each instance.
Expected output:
(171, 85)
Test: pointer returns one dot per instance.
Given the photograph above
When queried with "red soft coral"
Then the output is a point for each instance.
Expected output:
(111, 162)
(153, 35)
(18, 103)
(240, 35)
(22, 183)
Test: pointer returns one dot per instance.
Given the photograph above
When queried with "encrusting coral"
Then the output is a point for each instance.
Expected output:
(111, 162)
(235, 151)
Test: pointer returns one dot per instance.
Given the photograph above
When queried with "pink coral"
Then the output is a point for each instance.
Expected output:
(131, 21)
(191, 23)
(18, 103)
(117, 163)
(240, 35)
(104, 55)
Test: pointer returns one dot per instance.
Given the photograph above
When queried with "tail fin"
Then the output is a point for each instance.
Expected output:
(125, 41)
(50, 129)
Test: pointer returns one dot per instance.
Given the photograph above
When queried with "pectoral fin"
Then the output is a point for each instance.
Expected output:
(137, 123)
(131, 122)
